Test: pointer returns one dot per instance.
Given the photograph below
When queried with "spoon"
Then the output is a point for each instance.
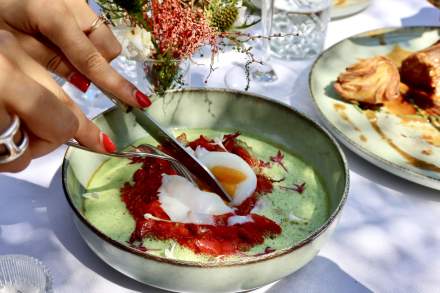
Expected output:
(141, 151)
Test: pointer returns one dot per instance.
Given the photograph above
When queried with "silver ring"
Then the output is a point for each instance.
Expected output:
(102, 19)
(13, 151)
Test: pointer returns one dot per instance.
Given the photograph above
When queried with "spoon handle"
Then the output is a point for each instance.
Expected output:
(73, 143)
(176, 165)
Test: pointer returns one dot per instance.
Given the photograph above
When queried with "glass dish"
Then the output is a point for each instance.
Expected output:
(24, 274)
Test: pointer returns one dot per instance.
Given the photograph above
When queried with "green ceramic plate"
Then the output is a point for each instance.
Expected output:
(344, 8)
(214, 109)
(406, 149)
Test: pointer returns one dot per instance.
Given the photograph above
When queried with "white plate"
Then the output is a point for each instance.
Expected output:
(400, 148)
(344, 8)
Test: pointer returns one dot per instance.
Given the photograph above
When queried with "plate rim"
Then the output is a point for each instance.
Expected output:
(360, 8)
(279, 253)
(388, 166)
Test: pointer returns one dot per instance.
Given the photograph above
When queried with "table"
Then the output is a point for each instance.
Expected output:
(388, 239)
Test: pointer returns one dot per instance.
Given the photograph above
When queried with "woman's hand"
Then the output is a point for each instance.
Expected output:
(53, 33)
(41, 35)
(44, 111)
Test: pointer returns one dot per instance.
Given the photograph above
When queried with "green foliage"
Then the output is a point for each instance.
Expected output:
(164, 73)
(131, 6)
(129, 9)
(251, 7)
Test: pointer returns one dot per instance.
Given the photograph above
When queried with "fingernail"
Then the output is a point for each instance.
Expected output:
(142, 99)
(80, 81)
(107, 143)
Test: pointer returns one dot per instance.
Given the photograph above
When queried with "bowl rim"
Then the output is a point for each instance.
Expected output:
(244, 261)
(373, 158)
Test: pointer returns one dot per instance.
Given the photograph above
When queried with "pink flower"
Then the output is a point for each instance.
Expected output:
(278, 159)
(178, 29)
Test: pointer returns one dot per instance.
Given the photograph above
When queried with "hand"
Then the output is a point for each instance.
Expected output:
(52, 32)
(48, 119)
(49, 35)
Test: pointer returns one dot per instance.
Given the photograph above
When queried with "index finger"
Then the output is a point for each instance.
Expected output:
(65, 33)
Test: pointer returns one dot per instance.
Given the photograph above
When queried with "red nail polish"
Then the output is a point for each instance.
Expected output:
(108, 144)
(142, 99)
(80, 81)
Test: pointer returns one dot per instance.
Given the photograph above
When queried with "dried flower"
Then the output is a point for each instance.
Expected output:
(170, 31)
(278, 159)
(300, 188)
(264, 164)
(178, 29)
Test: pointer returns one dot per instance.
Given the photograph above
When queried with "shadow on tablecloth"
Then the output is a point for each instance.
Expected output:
(426, 13)
(320, 275)
(60, 219)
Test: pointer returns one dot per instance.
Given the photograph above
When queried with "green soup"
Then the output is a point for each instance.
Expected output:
(298, 214)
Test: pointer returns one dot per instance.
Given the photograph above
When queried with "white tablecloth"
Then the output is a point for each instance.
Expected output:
(387, 241)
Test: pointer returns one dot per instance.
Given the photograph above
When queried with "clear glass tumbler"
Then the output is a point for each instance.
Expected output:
(265, 78)
(305, 22)
(162, 75)
(22, 273)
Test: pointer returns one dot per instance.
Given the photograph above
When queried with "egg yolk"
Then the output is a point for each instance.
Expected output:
(228, 177)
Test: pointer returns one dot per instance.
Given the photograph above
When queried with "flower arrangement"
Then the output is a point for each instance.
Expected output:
(171, 31)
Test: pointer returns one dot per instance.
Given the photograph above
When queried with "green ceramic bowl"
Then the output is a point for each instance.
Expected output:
(267, 120)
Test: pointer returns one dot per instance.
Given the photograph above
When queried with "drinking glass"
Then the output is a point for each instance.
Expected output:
(162, 75)
(22, 273)
(267, 78)
(264, 72)
(305, 24)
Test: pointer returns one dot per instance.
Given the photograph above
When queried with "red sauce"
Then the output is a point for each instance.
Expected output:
(141, 197)
(230, 143)
(206, 143)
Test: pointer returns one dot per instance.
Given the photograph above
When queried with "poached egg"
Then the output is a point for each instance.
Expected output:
(185, 203)
(236, 176)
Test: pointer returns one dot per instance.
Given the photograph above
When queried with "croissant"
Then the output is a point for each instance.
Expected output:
(372, 81)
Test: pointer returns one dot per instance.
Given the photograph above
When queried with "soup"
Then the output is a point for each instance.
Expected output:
(288, 204)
